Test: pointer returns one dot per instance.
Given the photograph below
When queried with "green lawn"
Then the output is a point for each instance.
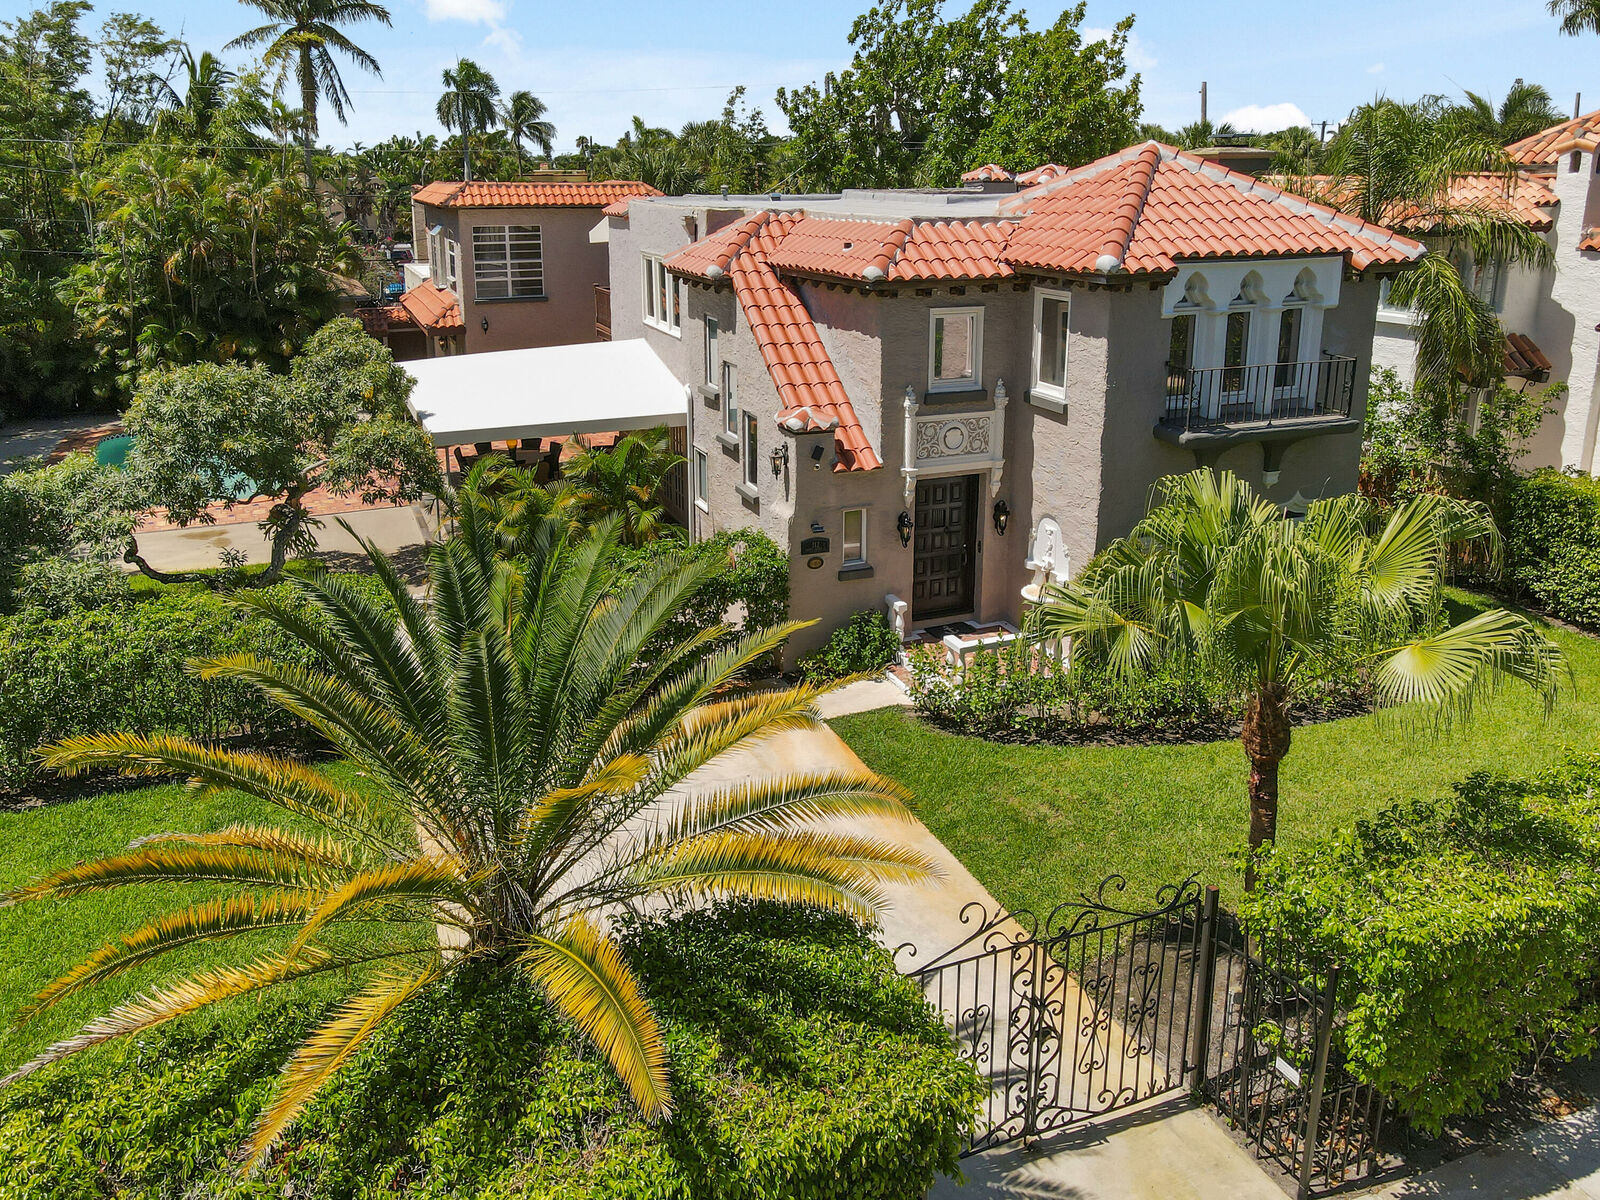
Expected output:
(41, 939)
(1037, 824)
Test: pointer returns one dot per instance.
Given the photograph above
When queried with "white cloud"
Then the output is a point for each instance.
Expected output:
(1266, 118)
(476, 12)
(1138, 54)
(1375, 69)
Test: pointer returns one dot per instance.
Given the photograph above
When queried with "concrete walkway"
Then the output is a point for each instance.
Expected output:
(863, 696)
(37, 437)
(1557, 1161)
(202, 546)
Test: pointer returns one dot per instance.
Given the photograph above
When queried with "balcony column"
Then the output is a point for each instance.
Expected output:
(997, 439)
(908, 469)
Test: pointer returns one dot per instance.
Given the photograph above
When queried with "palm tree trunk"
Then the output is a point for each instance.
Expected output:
(1266, 736)
(308, 113)
(466, 153)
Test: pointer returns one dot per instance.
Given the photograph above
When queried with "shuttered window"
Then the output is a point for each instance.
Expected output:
(507, 262)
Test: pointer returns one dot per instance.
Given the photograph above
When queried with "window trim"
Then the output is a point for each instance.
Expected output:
(702, 479)
(967, 382)
(861, 559)
(505, 236)
(729, 384)
(712, 330)
(452, 265)
(1057, 391)
(660, 283)
(749, 450)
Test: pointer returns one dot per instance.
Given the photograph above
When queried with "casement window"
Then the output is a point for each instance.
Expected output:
(452, 265)
(1235, 345)
(730, 399)
(854, 537)
(1050, 343)
(1290, 322)
(702, 479)
(663, 304)
(713, 359)
(436, 251)
(749, 450)
(507, 262)
(1486, 282)
(955, 349)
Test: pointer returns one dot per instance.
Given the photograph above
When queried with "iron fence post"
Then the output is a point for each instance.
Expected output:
(1206, 970)
(1325, 1010)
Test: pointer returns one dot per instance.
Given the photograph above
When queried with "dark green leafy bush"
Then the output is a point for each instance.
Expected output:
(863, 643)
(1552, 536)
(1468, 929)
(802, 1066)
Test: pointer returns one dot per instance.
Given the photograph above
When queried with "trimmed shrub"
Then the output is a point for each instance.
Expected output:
(752, 591)
(1552, 537)
(1468, 930)
(863, 643)
(802, 1066)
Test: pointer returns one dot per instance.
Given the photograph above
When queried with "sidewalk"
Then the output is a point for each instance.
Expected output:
(1557, 1161)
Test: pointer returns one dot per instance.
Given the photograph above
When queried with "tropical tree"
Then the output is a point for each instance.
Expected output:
(520, 737)
(467, 104)
(302, 36)
(1577, 16)
(1394, 164)
(523, 116)
(205, 88)
(1527, 109)
(626, 480)
(1215, 579)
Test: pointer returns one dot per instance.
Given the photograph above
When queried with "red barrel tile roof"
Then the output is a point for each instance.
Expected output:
(853, 249)
(1523, 356)
(955, 250)
(988, 173)
(434, 308)
(1544, 147)
(1527, 196)
(489, 194)
(1590, 240)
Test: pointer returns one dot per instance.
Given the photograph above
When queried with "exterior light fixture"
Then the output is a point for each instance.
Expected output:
(780, 458)
(1002, 516)
(903, 525)
(484, 324)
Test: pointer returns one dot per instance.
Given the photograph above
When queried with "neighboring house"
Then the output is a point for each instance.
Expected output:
(943, 397)
(510, 265)
(1549, 315)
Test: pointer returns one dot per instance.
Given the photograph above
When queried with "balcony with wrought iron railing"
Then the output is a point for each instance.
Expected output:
(1240, 403)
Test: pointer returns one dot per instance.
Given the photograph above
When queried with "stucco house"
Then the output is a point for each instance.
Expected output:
(1549, 315)
(508, 265)
(935, 400)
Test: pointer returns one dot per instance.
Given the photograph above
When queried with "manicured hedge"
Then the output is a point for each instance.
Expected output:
(1552, 541)
(1468, 930)
(802, 1066)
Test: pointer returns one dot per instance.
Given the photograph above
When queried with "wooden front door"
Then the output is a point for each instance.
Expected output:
(945, 547)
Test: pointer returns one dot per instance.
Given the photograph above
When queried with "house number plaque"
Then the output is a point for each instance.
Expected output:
(814, 545)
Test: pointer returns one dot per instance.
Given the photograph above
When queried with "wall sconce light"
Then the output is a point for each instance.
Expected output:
(818, 527)
(484, 324)
(1002, 516)
(780, 458)
(903, 524)
(816, 457)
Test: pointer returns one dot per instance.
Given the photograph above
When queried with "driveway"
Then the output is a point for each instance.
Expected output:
(201, 546)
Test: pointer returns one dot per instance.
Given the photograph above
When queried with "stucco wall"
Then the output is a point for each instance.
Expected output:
(1566, 326)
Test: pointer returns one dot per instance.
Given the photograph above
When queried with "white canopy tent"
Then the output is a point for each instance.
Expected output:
(544, 392)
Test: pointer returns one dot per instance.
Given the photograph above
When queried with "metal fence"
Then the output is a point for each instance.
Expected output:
(1207, 397)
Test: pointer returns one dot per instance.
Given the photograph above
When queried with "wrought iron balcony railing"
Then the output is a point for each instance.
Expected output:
(1207, 398)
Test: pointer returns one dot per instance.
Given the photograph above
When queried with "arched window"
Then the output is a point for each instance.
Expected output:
(1305, 289)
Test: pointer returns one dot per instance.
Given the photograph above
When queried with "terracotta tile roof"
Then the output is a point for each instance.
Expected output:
(488, 194)
(853, 249)
(1149, 207)
(988, 173)
(381, 318)
(809, 388)
(1042, 174)
(955, 250)
(1590, 240)
(617, 208)
(1527, 197)
(904, 251)
(1543, 148)
(434, 308)
(993, 173)
(1523, 357)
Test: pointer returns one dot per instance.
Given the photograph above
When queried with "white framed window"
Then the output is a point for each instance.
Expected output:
(1486, 282)
(853, 537)
(730, 399)
(663, 303)
(702, 479)
(749, 450)
(507, 262)
(713, 358)
(1050, 313)
(452, 264)
(955, 349)
(436, 248)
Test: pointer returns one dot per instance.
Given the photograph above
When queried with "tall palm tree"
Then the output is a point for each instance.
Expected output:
(1214, 578)
(1527, 109)
(519, 736)
(626, 480)
(1577, 16)
(1393, 164)
(523, 116)
(205, 84)
(467, 104)
(301, 37)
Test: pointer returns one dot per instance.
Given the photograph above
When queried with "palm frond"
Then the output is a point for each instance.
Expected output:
(429, 878)
(1449, 670)
(319, 851)
(177, 863)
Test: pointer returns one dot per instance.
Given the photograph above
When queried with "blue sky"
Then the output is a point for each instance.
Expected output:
(596, 64)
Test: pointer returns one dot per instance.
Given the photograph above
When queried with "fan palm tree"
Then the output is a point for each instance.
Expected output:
(626, 480)
(523, 116)
(1577, 16)
(1526, 110)
(1393, 164)
(301, 37)
(517, 734)
(467, 104)
(1214, 578)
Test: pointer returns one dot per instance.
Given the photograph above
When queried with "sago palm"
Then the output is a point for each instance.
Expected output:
(1215, 579)
(301, 38)
(468, 104)
(519, 735)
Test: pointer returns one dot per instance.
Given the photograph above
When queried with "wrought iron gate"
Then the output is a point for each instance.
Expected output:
(1089, 1012)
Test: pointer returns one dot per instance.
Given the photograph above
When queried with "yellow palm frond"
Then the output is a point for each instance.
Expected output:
(583, 973)
(180, 864)
(329, 1048)
(226, 916)
(791, 801)
(544, 821)
(718, 727)
(429, 878)
(321, 851)
(1450, 669)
